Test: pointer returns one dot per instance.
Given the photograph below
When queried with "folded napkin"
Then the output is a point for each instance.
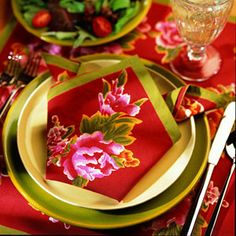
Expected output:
(108, 127)
(191, 100)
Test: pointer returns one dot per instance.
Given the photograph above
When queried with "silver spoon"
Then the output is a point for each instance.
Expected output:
(230, 149)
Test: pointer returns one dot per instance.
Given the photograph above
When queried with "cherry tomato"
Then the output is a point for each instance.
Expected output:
(101, 26)
(41, 19)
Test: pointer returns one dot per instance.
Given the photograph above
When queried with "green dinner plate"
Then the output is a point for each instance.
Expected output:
(99, 219)
(134, 22)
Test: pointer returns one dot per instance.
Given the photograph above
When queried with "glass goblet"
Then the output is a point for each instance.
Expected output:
(199, 22)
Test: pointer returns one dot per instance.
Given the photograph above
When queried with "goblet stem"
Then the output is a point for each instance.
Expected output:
(196, 53)
(199, 22)
(196, 64)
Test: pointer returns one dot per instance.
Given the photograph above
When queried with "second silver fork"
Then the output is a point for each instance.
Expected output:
(11, 69)
(230, 150)
(21, 80)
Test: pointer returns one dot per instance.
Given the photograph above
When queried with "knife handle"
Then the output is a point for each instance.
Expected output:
(195, 208)
(216, 212)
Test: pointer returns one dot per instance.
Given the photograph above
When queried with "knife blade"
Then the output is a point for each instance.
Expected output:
(216, 150)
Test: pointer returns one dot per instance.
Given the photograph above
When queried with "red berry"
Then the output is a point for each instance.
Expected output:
(101, 26)
(41, 19)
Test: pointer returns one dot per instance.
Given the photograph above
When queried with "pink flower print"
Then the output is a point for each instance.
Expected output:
(116, 101)
(176, 215)
(53, 220)
(113, 48)
(53, 49)
(91, 157)
(144, 26)
(57, 141)
(38, 46)
(169, 36)
(212, 194)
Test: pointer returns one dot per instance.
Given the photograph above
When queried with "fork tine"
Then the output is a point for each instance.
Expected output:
(32, 66)
(36, 65)
(11, 69)
(31, 69)
(7, 68)
(15, 66)
(28, 66)
(24, 77)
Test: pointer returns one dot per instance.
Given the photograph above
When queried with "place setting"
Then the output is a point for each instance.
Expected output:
(150, 190)
(104, 141)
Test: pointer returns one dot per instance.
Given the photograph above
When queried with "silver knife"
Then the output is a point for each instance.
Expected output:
(216, 150)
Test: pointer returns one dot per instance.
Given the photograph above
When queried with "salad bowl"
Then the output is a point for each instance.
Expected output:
(70, 25)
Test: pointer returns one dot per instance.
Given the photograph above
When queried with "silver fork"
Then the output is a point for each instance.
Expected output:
(21, 80)
(11, 70)
(30, 71)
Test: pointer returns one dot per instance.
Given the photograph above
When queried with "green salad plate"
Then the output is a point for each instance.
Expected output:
(42, 33)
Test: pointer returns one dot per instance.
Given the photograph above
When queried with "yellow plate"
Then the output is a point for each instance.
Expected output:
(99, 219)
(32, 127)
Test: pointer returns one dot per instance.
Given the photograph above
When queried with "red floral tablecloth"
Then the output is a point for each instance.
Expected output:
(155, 39)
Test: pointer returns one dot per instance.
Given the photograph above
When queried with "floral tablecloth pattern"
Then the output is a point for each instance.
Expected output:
(157, 40)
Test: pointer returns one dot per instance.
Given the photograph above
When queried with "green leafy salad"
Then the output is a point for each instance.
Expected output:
(79, 20)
